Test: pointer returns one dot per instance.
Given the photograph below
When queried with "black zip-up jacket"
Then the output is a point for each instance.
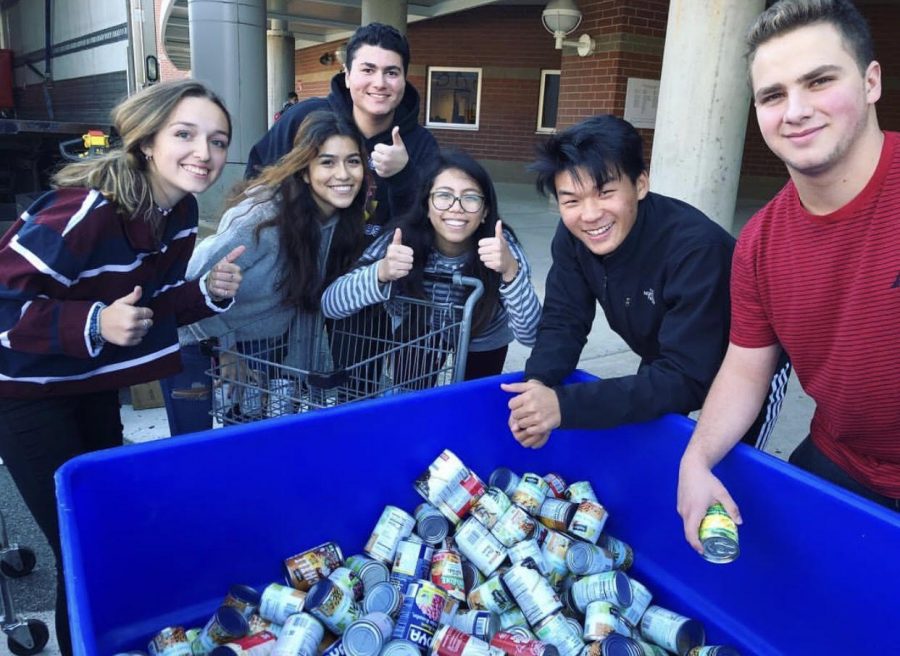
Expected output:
(390, 196)
(665, 291)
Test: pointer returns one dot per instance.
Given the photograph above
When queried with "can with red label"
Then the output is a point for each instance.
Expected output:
(328, 603)
(490, 506)
(279, 601)
(394, 525)
(449, 641)
(588, 521)
(532, 592)
(411, 563)
(530, 493)
(513, 526)
(450, 486)
(557, 485)
(446, 572)
(257, 644)
(349, 581)
(423, 605)
(491, 595)
(515, 643)
(480, 546)
(303, 570)
(300, 636)
(170, 641)
(581, 491)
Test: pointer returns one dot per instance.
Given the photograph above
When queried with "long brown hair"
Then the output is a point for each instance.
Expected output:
(298, 216)
(121, 174)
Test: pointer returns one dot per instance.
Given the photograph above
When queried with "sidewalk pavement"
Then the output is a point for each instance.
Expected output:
(534, 220)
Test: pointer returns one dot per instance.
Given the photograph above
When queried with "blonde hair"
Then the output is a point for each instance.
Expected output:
(121, 174)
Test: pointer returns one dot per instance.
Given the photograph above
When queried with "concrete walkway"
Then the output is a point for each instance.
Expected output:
(606, 355)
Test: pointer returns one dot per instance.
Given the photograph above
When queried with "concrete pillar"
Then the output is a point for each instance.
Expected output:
(228, 52)
(704, 97)
(279, 65)
(389, 12)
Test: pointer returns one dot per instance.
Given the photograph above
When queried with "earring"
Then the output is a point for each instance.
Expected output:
(148, 157)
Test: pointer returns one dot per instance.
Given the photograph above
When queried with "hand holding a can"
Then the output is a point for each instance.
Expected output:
(397, 261)
(534, 412)
(698, 489)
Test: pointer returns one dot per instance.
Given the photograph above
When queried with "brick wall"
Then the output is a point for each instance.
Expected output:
(167, 70)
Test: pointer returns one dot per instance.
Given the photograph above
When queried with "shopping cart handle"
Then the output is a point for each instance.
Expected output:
(329, 380)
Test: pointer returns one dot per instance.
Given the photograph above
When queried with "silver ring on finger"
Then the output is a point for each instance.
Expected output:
(146, 324)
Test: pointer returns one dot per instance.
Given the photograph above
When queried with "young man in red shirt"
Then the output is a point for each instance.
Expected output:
(817, 270)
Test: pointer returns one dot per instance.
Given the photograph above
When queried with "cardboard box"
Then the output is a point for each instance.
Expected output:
(146, 396)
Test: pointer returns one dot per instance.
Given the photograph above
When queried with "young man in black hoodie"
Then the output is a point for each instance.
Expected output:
(372, 91)
(658, 267)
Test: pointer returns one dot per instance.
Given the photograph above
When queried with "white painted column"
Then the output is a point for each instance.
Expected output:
(279, 66)
(704, 100)
(228, 52)
(389, 12)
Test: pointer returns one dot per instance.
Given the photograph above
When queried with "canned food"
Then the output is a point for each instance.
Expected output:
(449, 641)
(719, 535)
(384, 597)
(472, 576)
(581, 491)
(490, 506)
(556, 513)
(451, 607)
(349, 582)
(431, 525)
(540, 533)
(258, 644)
(336, 648)
(672, 631)
(257, 624)
(450, 486)
(478, 545)
(623, 555)
(491, 595)
(601, 619)
(522, 643)
(411, 563)
(555, 630)
(513, 618)
(400, 648)
(303, 570)
(557, 485)
(423, 604)
(300, 636)
(640, 601)
(714, 650)
(282, 392)
(588, 521)
(505, 479)
(446, 572)
(530, 493)
(170, 641)
(328, 603)
(613, 587)
(556, 546)
(279, 601)
(367, 635)
(244, 598)
(482, 624)
(532, 592)
(513, 526)
(393, 525)
(585, 558)
(616, 644)
(528, 549)
(225, 624)
(371, 571)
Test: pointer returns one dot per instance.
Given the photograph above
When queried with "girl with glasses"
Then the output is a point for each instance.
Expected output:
(455, 227)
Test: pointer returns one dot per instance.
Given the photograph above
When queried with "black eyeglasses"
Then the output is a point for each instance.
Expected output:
(443, 200)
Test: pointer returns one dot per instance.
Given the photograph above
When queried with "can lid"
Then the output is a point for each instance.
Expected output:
(362, 638)
(383, 597)
(623, 590)
(690, 634)
(616, 644)
(432, 528)
(232, 621)
(400, 647)
(224, 650)
(504, 478)
(245, 593)
(319, 593)
(579, 557)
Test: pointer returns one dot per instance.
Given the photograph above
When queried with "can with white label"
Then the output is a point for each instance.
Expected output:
(328, 603)
(367, 635)
(450, 486)
(513, 526)
(613, 587)
(555, 630)
(300, 636)
(491, 506)
(672, 631)
(279, 601)
(584, 558)
(581, 491)
(478, 545)
(394, 525)
(530, 493)
(491, 595)
(588, 521)
(532, 592)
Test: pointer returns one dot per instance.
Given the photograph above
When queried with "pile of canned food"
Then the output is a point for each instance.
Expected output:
(518, 567)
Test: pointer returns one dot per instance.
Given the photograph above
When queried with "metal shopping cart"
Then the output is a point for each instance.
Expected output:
(23, 636)
(404, 345)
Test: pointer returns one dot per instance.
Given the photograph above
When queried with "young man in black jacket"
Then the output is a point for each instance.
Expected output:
(373, 92)
(658, 267)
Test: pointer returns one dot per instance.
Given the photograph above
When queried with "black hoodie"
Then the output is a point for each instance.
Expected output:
(390, 197)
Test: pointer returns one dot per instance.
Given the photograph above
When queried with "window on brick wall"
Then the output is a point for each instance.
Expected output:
(454, 98)
(548, 102)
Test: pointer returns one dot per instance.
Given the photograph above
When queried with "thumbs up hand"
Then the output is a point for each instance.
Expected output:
(495, 254)
(397, 261)
(389, 159)
(123, 322)
(224, 279)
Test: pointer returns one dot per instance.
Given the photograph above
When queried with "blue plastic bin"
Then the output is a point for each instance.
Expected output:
(154, 534)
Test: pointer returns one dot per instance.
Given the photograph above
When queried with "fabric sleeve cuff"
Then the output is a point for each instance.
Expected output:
(215, 306)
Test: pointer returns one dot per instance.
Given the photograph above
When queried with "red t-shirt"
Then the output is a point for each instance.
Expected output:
(828, 289)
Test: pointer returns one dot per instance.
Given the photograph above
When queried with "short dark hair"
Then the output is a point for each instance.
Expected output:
(788, 15)
(293, 96)
(607, 146)
(381, 35)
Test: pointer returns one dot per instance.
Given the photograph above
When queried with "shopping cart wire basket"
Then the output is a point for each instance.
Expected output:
(403, 345)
